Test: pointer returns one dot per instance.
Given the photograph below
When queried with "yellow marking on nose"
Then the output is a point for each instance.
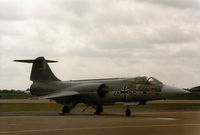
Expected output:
(152, 88)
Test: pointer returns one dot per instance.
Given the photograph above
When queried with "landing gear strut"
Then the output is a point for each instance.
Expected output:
(128, 111)
(65, 110)
(99, 109)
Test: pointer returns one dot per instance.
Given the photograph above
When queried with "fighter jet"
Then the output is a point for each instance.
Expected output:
(96, 92)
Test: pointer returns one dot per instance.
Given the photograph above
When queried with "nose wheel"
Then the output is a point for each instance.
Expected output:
(128, 111)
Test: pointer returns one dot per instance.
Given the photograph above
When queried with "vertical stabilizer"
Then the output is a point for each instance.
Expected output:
(40, 69)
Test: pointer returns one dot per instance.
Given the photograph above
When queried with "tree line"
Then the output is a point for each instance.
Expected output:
(12, 92)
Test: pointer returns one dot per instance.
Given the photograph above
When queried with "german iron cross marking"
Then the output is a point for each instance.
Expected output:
(124, 91)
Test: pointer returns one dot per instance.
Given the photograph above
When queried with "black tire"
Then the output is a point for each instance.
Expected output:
(99, 109)
(96, 113)
(128, 112)
(65, 109)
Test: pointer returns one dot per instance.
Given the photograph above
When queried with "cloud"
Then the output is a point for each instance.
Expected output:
(9, 12)
(97, 39)
(185, 4)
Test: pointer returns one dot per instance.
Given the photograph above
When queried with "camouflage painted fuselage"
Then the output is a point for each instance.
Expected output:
(118, 90)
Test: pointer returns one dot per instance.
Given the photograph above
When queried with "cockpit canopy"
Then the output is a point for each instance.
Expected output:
(145, 80)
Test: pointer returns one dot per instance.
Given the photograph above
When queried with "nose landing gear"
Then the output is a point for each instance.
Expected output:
(128, 111)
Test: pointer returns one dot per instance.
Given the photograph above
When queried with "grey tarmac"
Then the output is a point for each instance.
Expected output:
(142, 122)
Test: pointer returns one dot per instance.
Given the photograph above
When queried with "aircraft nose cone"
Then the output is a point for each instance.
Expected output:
(170, 91)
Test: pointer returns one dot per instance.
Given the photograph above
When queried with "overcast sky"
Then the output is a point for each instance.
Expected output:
(100, 39)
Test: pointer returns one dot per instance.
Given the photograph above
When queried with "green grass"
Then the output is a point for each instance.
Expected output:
(16, 96)
(9, 107)
(191, 96)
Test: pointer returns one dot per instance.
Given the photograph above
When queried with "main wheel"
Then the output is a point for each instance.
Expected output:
(128, 112)
(99, 109)
(65, 109)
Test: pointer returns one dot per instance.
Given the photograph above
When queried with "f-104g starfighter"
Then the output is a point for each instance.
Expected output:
(96, 92)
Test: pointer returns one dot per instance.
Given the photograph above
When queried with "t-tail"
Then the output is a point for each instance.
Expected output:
(40, 69)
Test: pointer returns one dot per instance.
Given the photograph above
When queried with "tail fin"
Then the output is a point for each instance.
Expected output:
(40, 69)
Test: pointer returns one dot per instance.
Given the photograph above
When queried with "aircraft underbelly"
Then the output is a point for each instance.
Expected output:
(112, 97)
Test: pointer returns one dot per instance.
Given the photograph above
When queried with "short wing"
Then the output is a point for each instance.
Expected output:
(59, 94)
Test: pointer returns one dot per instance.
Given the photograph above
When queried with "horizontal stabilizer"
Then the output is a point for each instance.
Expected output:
(60, 94)
(32, 61)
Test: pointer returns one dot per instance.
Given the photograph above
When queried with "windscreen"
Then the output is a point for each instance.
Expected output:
(152, 80)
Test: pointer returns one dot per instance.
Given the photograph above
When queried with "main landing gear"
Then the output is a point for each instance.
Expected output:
(99, 109)
(65, 110)
(128, 111)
